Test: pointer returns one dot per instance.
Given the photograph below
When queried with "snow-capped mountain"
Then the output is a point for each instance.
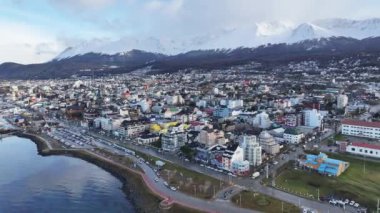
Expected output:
(322, 50)
(257, 34)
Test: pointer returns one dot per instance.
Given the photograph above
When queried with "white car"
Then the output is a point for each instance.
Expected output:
(173, 188)
(352, 203)
(165, 183)
(347, 201)
(155, 179)
(356, 205)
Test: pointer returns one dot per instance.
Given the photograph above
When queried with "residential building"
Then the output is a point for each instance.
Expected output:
(233, 153)
(262, 120)
(103, 123)
(148, 139)
(221, 112)
(172, 141)
(240, 168)
(342, 101)
(361, 128)
(313, 118)
(133, 128)
(293, 136)
(210, 137)
(252, 149)
(293, 120)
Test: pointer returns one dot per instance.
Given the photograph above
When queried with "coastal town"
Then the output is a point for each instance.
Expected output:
(228, 140)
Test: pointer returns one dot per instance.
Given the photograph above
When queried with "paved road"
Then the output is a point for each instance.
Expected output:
(247, 183)
(176, 196)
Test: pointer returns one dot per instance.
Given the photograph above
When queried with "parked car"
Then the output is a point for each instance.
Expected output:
(173, 188)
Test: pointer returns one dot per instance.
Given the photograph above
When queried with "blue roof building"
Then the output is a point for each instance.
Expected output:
(324, 165)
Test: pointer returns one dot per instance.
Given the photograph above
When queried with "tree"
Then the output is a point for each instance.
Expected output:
(187, 151)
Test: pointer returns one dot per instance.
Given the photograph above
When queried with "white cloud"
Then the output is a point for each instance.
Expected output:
(197, 22)
(25, 44)
(83, 4)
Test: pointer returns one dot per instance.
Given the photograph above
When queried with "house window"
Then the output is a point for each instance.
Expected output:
(366, 151)
(353, 149)
(360, 150)
(370, 152)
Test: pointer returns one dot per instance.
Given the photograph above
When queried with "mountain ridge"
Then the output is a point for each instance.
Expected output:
(270, 55)
(258, 34)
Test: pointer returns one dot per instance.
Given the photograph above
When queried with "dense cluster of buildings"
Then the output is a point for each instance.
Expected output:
(231, 121)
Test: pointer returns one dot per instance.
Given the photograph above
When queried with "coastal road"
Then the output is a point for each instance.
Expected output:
(176, 196)
(249, 184)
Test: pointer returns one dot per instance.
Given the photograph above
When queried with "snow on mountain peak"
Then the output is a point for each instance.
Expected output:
(307, 31)
(251, 36)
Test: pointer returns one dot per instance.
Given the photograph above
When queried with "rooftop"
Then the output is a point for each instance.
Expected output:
(366, 145)
(361, 123)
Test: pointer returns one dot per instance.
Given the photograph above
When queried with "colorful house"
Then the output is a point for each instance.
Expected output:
(324, 165)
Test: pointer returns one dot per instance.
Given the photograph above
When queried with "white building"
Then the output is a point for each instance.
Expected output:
(201, 103)
(252, 149)
(364, 149)
(262, 120)
(104, 123)
(240, 167)
(361, 128)
(268, 143)
(342, 101)
(148, 139)
(172, 141)
(312, 118)
(293, 136)
(232, 104)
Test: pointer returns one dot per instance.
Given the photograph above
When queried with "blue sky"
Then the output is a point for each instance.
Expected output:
(34, 31)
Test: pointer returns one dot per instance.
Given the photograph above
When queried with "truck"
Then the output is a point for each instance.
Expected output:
(255, 175)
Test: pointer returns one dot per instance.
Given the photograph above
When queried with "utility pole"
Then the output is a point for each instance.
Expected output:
(267, 170)
(318, 193)
(240, 199)
(282, 206)
(378, 206)
(364, 166)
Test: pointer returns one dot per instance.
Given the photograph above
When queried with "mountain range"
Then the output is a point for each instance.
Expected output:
(268, 43)
(257, 34)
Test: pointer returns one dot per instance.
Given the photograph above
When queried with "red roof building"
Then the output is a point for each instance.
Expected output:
(366, 145)
(361, 123)
(361, 128)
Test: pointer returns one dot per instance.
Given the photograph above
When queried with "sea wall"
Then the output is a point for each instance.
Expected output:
(133, 185)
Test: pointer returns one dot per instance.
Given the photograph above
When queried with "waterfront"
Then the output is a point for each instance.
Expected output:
(32, 183)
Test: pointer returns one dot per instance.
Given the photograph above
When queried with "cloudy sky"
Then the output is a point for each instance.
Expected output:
(33, 31)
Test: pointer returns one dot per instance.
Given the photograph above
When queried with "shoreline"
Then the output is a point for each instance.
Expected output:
(134, 186)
